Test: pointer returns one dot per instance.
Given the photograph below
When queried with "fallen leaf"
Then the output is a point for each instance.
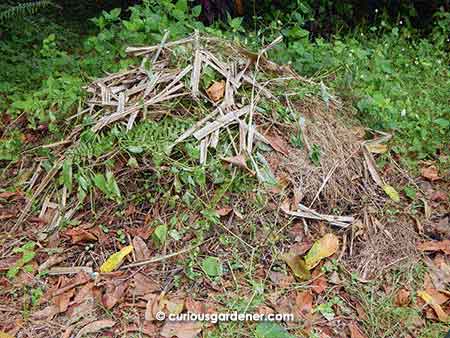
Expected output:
(355, 331)
(47, 313)
(181, 329)
(113, 261)
(115, 290)
(96, 326)
(239, 161)
(5, 335)
(431, 173)
(8, 194)
(304, 304)
(434, 303)
(402, 298)
(80, 235)
(443, 246)
(377, 148)
(144, 285)
(152, 306)
(79, 279)
(297, 265)
(280, 279)
(392, 193)
(62, 301)
(439, 271)
(141, 250)
(319, 285)
(216, 91)
(8, 262)
(324, 247)
(223, 211)
(439, 196)
(278, 143)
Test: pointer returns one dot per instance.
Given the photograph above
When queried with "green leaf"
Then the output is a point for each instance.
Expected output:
(212, 266)
(135, 149)
(160, 234)
(326, 310)
(410, 192)
(100, 182)
(392, 193)
(67, 174)
(196, 11)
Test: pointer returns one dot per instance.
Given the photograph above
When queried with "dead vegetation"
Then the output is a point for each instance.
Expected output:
(313, 180)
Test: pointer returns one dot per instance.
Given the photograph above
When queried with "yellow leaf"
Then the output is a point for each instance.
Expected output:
(377, 148)
(324, 247)
(392, 193)
(113, 261)
(297, 265)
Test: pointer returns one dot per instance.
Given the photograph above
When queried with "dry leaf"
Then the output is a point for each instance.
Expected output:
(216, 91)
(5, 335)
(377, 148)
(435, 304)
(355, 331)
(297, 265)
(238, 160)
(402, 298)
(114, 292)
(144, 285)
(79, 279)
(47, 313)
(141, 250)
(113, 261)
(62, 301)
(146, 328)
(321, 249)
(443, 246)
(278, 143)
(223, 211)
(8, 194)
(431, 173)
(304, 304)
(181, 329)
(174, 305)
(51, 261)
(152, 306)
(80, 235)
(319, 285)
(96, 326)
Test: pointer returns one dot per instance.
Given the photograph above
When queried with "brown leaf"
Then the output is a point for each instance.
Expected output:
(435, 304)
(431, 173)
(114, 292)
(62, 301)
(439, 271)
(439, 196)
(239, 161)
(85, 293)
(224, 211)
(216, 91)
(8, 194)
(80, 235)
(304, 304)
(144, 285)
(402, 298)
(96, 326)
(140, 249)
(355, 331)
(319, 285)
(79, 279)
(181, 329)
(278, 143)
(280, 279)
(435, 246)
(152, 306)
(47, 313)
(198, 306)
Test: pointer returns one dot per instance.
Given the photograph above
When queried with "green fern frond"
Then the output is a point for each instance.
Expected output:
(23, 9)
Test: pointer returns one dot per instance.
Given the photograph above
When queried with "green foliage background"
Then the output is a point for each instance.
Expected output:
(395, 76)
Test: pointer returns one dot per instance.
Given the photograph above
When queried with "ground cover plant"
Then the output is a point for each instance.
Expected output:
(124, 191)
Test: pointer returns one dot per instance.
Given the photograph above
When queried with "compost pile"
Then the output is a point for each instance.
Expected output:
(315, 172)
